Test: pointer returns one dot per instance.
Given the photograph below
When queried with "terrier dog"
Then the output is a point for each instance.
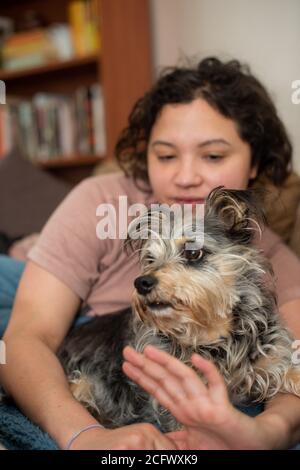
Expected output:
(218, 301)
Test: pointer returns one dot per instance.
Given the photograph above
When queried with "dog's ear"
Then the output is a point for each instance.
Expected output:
(135, 233)
(239, 211)
(147, 225)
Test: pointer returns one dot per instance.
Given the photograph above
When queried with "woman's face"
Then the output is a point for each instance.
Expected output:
(192, 150)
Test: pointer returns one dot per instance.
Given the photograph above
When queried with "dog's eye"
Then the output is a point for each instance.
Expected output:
(193, 255)
(149, 259)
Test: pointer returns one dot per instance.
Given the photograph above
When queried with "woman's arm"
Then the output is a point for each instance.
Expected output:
(286, 407)
(290, 313)
(43, 312)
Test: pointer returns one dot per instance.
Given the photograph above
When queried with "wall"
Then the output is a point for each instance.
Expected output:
(263, 33)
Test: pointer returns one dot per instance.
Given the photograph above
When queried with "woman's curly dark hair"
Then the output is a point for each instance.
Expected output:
(228, 87)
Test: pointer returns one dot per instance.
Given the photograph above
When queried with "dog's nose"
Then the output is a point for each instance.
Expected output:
(144, 284)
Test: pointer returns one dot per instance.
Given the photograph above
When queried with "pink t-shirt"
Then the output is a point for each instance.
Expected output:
(100, 271)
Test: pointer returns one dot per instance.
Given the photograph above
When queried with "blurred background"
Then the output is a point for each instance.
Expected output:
(263, 33)
(72, 70)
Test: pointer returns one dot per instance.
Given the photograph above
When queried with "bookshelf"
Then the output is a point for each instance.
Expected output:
(57, 65)
(123, 67)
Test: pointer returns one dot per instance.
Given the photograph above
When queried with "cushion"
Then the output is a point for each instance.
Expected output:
(295, 239)
(281, 204)
(28, 195)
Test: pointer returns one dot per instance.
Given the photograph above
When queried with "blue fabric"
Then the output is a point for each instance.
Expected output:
(10, 273)
(16, 431)
(251, 410)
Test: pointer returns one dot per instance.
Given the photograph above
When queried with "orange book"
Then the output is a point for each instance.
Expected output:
(4, 131)
(77, 23)
(23, 37)
(84, 26)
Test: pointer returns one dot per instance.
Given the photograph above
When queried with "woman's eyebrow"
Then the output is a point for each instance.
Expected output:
(162, 142)
(201, 144)
(213, 141)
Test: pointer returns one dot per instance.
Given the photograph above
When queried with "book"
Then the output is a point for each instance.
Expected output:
(83, 22)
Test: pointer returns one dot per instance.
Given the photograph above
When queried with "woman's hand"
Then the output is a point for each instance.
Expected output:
(135, 436)
(210, 421)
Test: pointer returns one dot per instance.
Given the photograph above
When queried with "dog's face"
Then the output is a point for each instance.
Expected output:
(190, 291)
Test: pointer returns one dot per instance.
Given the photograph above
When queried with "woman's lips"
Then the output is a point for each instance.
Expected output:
(190, 201)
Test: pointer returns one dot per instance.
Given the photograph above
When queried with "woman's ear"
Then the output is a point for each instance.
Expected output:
(253, 172)
(239, 211)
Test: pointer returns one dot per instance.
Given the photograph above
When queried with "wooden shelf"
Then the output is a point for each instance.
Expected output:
(49, 67)
(82, 160)
(120, 23)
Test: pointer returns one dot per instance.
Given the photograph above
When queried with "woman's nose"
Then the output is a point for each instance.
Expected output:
(187, 175)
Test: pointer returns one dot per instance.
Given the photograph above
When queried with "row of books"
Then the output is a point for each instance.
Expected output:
(60, 41)
(50, 126)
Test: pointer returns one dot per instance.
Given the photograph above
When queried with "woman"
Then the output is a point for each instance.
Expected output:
(197, 128)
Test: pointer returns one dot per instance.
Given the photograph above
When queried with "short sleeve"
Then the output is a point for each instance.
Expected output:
(68, 246)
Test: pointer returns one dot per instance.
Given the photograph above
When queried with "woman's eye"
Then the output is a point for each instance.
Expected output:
(166, 157)
(213, 157)
(193, 255)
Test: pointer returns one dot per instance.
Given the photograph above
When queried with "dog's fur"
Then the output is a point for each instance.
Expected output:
(218, 301)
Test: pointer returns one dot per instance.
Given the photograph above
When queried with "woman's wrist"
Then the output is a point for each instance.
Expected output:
(75, 442)
(67, 421)
(276, 432)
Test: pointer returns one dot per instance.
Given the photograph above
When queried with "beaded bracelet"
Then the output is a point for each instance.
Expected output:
(87, 428)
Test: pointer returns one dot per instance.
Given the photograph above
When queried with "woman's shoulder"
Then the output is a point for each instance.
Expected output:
(273, 245)
(109, 187)
(269, 242)
(286, 266)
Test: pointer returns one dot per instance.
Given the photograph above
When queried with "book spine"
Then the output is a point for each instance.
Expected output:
(84, 27)
(98, 117)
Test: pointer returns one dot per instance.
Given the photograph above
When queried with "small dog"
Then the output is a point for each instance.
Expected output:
(217, 300)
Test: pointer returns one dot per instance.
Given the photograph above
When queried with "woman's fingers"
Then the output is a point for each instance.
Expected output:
(215, 381)
(152, 376)
(176, 386)
(147, 384)
(170, 401)
(141, 436)
(168, 365)
(180, 370)
(151, 368)
(174, 390)
(177, 378)
(168, 392)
